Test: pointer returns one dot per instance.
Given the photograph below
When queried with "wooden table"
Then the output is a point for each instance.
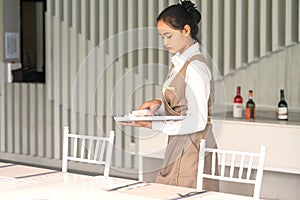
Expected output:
(32, 183)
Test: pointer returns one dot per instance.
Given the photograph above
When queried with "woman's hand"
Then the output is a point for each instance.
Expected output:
(152, 105)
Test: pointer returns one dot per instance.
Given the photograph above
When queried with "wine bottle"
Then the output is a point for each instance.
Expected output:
(238, 104)
(250, 107)
(282, 107)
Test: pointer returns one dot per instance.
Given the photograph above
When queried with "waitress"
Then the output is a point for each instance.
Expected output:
(188, 91)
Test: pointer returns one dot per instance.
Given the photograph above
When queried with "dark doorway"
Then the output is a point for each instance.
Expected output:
(32, 42)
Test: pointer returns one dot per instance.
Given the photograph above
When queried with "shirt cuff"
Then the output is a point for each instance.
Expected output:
(157, 125)
(160, 110)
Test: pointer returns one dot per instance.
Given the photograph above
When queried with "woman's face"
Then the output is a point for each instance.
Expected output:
(174, 40)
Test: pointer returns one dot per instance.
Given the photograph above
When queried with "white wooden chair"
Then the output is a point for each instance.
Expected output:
(88, 149)
(235, 160)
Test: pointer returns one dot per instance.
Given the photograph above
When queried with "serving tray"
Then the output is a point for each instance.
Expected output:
(129, 118)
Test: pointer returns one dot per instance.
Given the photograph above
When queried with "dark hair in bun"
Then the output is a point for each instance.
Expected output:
(181, 14)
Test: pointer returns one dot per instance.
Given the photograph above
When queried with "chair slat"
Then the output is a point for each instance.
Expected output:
(102, 150)
(223, 164)
(75, 148)
(96, 150)
(241, 166)
(232, 165)
(82, 148)
(90, 154)
(213, 165)
(249, 167)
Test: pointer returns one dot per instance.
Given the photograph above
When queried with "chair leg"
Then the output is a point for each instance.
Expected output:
(140, 157)
(65, 149)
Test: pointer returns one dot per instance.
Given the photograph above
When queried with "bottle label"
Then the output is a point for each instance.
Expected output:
(237, 110)
(250, 113)
(282, 113)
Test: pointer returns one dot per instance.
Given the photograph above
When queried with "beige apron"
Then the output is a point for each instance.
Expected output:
(182, 153)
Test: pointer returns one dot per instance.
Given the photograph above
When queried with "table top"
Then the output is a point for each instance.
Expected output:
(32, 183)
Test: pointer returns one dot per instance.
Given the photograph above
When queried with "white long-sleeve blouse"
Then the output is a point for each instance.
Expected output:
(197, 93)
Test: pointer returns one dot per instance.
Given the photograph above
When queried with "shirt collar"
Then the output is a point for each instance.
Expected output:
(179, 59)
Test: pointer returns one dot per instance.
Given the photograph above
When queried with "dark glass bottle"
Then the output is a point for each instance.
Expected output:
(250, 107)
(238, 104)
(282, 113)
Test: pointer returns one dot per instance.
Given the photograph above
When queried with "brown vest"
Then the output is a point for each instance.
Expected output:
(181, 156)
(174, 96)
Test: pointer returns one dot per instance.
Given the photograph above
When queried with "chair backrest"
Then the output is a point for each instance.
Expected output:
(88, 149)
(241, 161)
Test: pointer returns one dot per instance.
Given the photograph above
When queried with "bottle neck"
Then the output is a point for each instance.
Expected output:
(281, 95)
(238, 91)
(250, 95)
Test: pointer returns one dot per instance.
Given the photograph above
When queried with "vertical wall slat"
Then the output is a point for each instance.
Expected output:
(263, 27)
(40, 119)
(227, 36)
(163, 55)
(94, 21)
(142, 11)
(9, 111)
(275, 21)
(91, 88)
(251, 30)
(130, 69)
(48, 49)
(149, 93)
(84, 17)
(257, 40)
(217, 31)
(119, 93)
(17, 104)
(288, 22)
(57, 45)
(92, 57)
(49, 128)
(32, 119)
(81, 81)
(81, 85)
(74, 60)
(65, 67)
(25, 118)
(298, 21)
(2, 107)
(241, 34)
(294, 21)
(206, 26)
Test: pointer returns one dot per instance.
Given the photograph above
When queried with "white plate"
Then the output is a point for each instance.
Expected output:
(128, 118)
